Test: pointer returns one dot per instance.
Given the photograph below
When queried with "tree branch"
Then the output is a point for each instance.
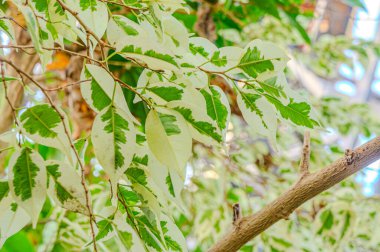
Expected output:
(306, 188)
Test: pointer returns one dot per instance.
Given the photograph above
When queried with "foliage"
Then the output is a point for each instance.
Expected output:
(152, 85)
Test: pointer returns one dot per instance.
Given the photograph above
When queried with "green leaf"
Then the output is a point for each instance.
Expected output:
(169, 123)
(41, 119)
(27, 181)
(215, 107)
(270, 86)
(99, 96)
(18, 243)
(198, 49)
(250, 101)
(137, 175)
(217, 60)
(114, 140)
(253, 63)
(25, 172)
(126, 239)
(204, 128)
(130, 197)
(167, 93)
(299, 27)
(128, 29)
(327, 219)
(268, 6)
(68, 190)
(346, 225)
(5, 26)
(116, 125)
(87, 4)
(169, 183)
(4, 189)
(298, 113)
(41, 5)
(153, 59)
(259, 114)
(105, 226)
(7, 78)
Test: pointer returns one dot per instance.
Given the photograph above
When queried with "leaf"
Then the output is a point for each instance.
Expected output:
(68, 190)
(128, 236)
(217, 60)
(203, 127)
(95, 16)
(168, 138)
(43, 124)
(168, 93)
(271, 86)
(41, 119)
(4, 189)
(254, 63)
(194, 49)
(121, 29)
(327, 219)
(154, 59)
(8, 78)
(41, 5)
(259, 114)
(217, 106)
(11, 222)
(6, 27)
(105, 227)
(19, 242)
(298, 113)
(299, 27)
(99, 94)
(261, 57)
(114, 140)
(27, 181)
(88, 4)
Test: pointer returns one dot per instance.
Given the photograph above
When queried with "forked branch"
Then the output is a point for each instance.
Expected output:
(306, 188)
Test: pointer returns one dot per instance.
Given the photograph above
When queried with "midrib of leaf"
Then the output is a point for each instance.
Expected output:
(214, 108)
(113, 131)
(253, 62)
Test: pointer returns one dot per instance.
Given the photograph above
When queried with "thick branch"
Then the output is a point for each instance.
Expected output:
(306, 188)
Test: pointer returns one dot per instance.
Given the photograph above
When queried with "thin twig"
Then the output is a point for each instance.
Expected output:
(67, 85)
(305, 158)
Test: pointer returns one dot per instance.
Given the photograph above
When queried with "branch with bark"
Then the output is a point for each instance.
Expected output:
(308, 186)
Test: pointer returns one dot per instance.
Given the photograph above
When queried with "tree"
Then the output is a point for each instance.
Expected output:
(108, 164)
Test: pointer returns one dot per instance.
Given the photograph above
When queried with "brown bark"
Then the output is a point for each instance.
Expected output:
(306, 188)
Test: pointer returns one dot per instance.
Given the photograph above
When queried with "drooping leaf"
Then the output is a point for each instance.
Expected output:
(68, 189)
(114, 139)
(27, 181)
(168, 138)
